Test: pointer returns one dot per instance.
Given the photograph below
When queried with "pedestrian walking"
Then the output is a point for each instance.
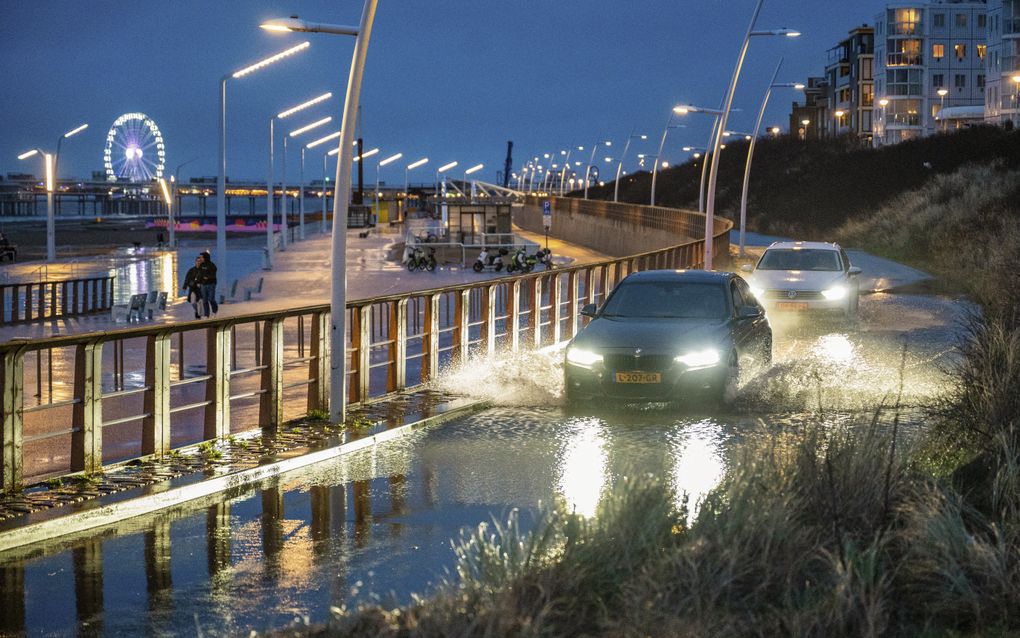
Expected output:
(208, 281)
(193, 286)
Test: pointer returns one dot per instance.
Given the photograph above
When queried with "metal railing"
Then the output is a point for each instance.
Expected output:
(46, 300)
(105, 397)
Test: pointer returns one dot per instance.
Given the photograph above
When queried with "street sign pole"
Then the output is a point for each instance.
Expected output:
(547, 220)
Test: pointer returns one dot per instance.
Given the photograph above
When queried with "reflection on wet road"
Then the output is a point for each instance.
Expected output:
(378, 524)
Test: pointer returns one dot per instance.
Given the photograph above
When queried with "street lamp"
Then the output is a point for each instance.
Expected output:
(270, 179)
(754, 138)
(51, 247)
(566, 164)
(407, 184)
(169, 207)
(473, 169)
(686, 109)
(623, 156)
(441, 170)
(341, 197)
(727, 105)
(662, 144)
(283, 180)
(378, 165)
(591, 161)
(221, 181)
(325, 175)
(60, 140)
(942, 93)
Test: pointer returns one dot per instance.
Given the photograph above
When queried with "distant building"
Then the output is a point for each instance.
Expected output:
(849, 74)
(1003, 63)
(806, 119)
(928, 56)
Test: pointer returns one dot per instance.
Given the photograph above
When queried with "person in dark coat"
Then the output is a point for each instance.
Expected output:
(208, 280)
(193, 286)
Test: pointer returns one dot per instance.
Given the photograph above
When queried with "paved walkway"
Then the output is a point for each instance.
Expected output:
(301, 277)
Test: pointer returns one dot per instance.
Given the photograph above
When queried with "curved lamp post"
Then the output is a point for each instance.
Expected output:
(270, 179)
(619, 167)
(685, 109)
(591, 162)
(713, 173)
(341, 197)
(658, 156)
(754, 139)
(221, 181)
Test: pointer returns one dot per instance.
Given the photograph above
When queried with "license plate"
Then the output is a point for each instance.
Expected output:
(792, 305)
(638, 377)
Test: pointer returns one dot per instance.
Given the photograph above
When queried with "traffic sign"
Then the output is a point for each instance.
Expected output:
(547, 215)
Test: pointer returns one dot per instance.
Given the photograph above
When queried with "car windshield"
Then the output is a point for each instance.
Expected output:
(667, 300)
(800, 259)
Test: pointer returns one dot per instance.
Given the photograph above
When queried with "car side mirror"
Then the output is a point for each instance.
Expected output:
(750, 312)
(589, 310)
(854, 271)
(747, 268)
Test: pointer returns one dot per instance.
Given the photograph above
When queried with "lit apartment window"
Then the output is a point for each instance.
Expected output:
(960, 81)
(939, 20)
(960, 50)
(961, 19)
(982, 51)
(938, 51)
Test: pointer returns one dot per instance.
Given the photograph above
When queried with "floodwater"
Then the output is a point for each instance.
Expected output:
(378, 525)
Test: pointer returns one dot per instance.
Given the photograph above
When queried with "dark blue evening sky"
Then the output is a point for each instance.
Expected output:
(451, 80)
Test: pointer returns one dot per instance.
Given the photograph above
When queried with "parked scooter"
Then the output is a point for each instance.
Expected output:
(488, 261)
(521, 262)
(544, 257)
(419, 261)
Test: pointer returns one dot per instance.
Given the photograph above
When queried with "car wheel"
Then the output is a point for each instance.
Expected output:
(726, 390)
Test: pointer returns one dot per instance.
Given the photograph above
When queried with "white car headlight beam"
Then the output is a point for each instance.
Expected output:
(583, 358)
(700, 359)
(835, 293)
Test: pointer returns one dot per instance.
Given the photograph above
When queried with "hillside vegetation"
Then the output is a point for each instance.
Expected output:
(809, 188)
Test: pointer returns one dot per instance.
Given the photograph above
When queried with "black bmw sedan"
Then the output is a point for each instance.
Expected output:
(666, 335)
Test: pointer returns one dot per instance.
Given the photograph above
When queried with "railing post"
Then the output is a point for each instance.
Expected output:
(489, 319)
(589, 280)
(572, 306)
(12, 378)
(318, 367)
(63, 298)
(556, 299)
(535, 318)
(156, 426)
(217, 388)
(513, 312)
(28, 302)
(398, 345)
(462, 332)
(87, 438)
(604, 282)
(430, 339)
(364, 351)
(271, 401)
(15, 306)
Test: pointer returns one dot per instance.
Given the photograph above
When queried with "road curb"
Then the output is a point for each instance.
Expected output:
(103, 515)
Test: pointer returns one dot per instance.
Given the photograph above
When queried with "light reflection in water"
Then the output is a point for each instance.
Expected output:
(698, 464)
(583, 468)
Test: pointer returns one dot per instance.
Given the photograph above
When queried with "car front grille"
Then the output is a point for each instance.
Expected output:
(793, 295)
(627, 363)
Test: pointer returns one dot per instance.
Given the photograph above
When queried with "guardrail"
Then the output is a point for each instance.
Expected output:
(105, 397)
(45, 300)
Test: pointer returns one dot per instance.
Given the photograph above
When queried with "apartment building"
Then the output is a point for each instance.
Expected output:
(928, 57)
(806, 120)
(1002, 83)
(849, 74)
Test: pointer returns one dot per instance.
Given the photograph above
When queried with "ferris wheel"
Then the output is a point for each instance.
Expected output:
(134, 149)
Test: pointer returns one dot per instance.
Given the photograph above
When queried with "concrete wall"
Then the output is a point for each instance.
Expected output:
(618, 230)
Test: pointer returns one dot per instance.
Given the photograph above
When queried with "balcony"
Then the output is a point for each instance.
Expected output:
(906, 28)
(904, 59)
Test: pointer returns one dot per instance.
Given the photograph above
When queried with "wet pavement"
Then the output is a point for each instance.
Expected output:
(378, 524)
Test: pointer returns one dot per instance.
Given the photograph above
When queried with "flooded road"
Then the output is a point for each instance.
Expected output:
(378, 525)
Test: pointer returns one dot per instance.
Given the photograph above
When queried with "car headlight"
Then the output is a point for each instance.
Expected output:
(835, 293)
(700, 359)
(580, 357)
